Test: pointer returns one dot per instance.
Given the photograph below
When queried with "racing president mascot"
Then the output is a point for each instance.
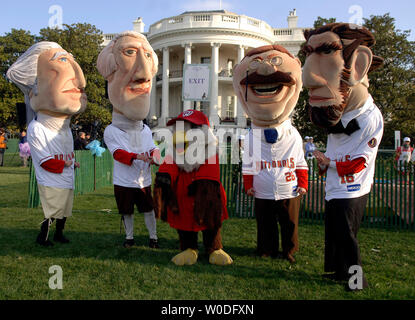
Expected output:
(338, 61)
(53, 84)
(129, 64)
(268, 82)
(188, 193)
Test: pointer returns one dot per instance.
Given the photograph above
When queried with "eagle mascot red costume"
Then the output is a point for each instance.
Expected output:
(188, 193)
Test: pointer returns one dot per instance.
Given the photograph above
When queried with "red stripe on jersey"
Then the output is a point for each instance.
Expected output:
(248, 181)
(302, 177)
(350, 167)
(124, 157)
(53, 165)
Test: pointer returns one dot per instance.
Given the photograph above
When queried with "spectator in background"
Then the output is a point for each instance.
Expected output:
(80, 142)
(310, 147)
(24, 148)
(3, 145)
(88, 138)
(403, 154)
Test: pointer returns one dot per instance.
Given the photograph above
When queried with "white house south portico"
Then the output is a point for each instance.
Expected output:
(219, 38)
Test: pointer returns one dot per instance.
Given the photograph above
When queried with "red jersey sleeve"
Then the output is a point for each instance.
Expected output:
(124, 157)
(350, 167)
(53, 165)
(302, 177)
(248, 181)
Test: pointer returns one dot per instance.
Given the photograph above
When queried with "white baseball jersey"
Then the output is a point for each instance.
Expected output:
(273, 164)
(139, 141)
(46, 144)
(405, 155)
(363, 143)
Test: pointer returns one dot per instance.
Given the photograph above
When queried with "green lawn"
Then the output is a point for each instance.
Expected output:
(96, 266)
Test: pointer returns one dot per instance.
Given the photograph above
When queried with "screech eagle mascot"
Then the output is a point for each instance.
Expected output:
(188, 193)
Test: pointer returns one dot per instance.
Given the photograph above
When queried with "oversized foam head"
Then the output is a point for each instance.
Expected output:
(51, 79)
(338, 60)
(129, 64)
(268, 83)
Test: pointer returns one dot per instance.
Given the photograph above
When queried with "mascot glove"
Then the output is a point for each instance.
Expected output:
(220, 258)
(187, 257)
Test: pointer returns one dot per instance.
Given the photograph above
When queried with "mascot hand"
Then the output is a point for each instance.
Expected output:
(187, 257)
(220, 258)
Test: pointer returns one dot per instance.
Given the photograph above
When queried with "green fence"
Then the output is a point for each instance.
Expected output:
(93, 174)
(391, 202)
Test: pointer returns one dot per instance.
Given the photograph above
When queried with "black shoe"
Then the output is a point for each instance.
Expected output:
(44, 243)
(60, 238)
(128, 243)
(154, 244)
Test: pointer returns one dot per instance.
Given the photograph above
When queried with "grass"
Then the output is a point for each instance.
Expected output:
(96, 266)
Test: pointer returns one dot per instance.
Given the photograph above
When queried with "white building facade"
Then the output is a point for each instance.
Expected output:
(219, 38)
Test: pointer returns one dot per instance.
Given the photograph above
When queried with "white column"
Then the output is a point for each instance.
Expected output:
(153, 99)
(213, 109)
(165, 88)
(241, 119)
(187, 60)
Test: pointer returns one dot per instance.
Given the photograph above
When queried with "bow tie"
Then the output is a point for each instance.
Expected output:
(351, 127)
(271, 135)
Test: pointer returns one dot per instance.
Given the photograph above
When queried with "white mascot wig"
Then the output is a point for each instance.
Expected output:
(23, 72)
(106, 63)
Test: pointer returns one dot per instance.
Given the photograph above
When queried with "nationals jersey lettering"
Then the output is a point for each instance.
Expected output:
(46, 144)
(360, 144)
(65, 157)
(139, 141)
(273, 165)
(289, 163)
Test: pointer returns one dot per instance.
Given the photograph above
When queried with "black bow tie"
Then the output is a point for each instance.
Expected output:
(271, 135)
(351, 127)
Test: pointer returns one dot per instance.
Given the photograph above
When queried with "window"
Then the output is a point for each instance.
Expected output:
(205, 60)
(230, 110)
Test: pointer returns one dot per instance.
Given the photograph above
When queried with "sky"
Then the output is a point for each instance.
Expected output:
(117, 16)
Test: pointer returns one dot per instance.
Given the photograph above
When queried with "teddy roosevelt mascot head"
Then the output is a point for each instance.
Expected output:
(129, 64)
(338, 60)
(268, 83)
(51, 80)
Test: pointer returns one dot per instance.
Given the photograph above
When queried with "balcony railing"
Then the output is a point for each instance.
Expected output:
(226, 73)
(219, 19)
(173, 74)
(179, 74)
(228, 120)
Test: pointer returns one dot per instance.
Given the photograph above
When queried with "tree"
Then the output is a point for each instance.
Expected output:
(12, 45)
(392, 86)
(322, 21)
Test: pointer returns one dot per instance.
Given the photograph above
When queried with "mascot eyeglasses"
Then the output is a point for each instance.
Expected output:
(274, 61)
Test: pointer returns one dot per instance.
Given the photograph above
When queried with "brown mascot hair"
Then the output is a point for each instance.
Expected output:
(347, 31)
